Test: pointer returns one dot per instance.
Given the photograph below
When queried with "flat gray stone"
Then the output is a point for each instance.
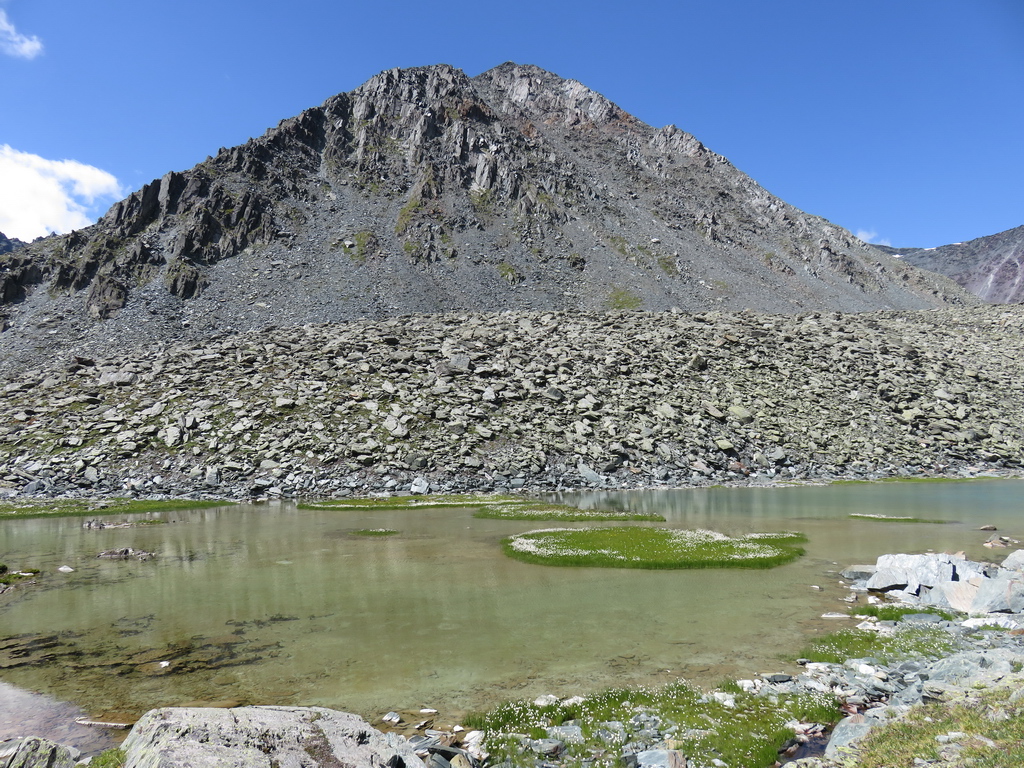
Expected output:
(262, 737)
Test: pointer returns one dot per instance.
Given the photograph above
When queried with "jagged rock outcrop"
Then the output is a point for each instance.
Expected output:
(991, 267)
(425, 190)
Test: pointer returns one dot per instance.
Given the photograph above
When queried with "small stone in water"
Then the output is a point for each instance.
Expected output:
(66, 569)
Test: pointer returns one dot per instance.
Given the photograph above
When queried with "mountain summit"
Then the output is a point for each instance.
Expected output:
(424, 190)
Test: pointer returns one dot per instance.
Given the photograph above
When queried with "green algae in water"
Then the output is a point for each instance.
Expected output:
(99, 507)
(410, 502)
(559, 512)
(375, 532)
(652, 548)
(894, 518)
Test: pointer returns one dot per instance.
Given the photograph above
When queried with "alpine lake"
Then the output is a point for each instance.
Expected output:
(273, 604)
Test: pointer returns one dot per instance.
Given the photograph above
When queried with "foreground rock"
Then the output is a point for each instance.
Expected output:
(33, 752)
(262, 737)
(534, 400)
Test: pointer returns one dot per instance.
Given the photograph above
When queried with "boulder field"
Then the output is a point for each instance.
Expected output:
(534, 400)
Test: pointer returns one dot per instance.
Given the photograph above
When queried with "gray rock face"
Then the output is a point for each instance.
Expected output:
(262, 737)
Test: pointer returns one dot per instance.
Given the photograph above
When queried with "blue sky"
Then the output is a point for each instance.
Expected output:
(901, 120)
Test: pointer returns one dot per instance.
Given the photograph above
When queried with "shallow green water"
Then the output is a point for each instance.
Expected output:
(271, 604)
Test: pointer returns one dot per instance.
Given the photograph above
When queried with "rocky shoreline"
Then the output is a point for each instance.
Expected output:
(526, 400)
(984, 658)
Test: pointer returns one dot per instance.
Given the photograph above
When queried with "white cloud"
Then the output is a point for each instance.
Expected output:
(40, 196)
(870, 236)
(13, 43)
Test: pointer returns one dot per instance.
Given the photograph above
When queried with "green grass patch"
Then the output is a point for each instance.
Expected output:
(622, 298)
(98, 507)
(979, 479)
(527, 510)
(652, 548)
(410, 502)
(988, 715)
(11, 577)
(375, 532)
(747, 733)
(895, 613)
(903, 643)
(112, 758)
(893, 518)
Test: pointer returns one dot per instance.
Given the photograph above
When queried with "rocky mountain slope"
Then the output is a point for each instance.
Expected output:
(991, 268)
(427, 191)
(533, 399)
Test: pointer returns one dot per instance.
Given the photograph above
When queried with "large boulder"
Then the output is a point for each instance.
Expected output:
(911, 572)
(262, 737)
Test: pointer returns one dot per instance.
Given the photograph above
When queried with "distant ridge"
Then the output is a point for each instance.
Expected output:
(991, 267)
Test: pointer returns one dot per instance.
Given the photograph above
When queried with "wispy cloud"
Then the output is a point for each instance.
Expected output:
(13, 43)
(870, 236)
(40, 196)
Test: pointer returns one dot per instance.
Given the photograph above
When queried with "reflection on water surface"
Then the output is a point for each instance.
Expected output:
(271, 604)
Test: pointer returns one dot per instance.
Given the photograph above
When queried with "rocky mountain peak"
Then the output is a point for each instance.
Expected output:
(532, 93)
(424, 190)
